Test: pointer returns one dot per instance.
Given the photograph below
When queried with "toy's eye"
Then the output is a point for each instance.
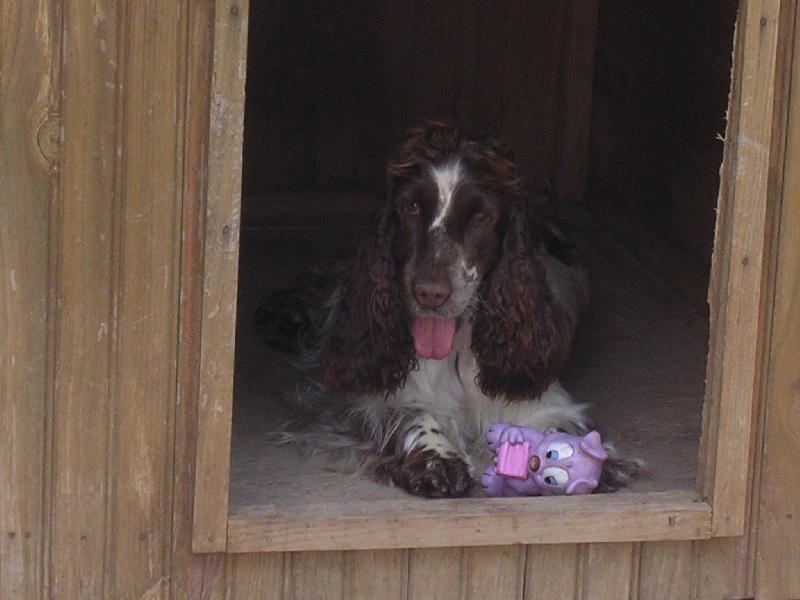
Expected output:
(559, 451)
(556, 477)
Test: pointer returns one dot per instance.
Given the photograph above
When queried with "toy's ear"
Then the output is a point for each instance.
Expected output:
(581, 486)
(593, 446)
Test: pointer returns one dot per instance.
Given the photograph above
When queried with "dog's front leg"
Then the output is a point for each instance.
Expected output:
(423, 461)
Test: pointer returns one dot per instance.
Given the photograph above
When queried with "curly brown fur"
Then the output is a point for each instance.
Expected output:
(369, 348)
(517, 333)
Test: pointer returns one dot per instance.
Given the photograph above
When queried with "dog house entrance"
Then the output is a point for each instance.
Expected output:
(321, 118)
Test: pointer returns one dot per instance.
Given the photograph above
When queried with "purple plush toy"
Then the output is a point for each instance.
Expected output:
(532, 463)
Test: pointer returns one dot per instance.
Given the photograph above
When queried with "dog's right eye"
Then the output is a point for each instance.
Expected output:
(412, 207)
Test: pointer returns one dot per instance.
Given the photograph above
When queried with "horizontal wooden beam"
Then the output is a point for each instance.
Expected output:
(418, 523)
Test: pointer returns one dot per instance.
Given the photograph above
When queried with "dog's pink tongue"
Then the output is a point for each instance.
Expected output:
(433, 338)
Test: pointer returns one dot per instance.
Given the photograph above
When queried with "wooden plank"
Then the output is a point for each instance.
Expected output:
(776, 540)
(667, 570)
(146, 237)
(719, 562)
(376, 574)
(609, 571)
(86, 296)
(221, 263)
(192, 572)
(255, 576)
(414, 523)
(436, 573)
(553, 572)
(530, 104)
(315, 576)
(494, 572)
(575, 100)
(29, 55)
(740, 309)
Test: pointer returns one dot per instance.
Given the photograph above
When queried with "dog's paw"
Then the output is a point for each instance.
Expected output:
(429, 474)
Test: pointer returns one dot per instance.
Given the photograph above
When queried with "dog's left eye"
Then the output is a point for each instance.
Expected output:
(480, 218)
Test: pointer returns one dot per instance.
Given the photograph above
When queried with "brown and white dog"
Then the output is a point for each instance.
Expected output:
(456, 315)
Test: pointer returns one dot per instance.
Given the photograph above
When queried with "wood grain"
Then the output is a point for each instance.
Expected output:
(553, 572)
(315, 575)
(373, 574)
(610, 571)
(413, 523)
(494, 571)
(220, 268)
(86, 295)
(436, 573)
(776, 548)
(29, 119)
(740, 304)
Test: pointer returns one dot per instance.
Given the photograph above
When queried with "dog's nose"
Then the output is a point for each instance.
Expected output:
(431, 294)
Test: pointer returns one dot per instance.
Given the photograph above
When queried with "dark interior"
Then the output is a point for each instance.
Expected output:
(617, 107)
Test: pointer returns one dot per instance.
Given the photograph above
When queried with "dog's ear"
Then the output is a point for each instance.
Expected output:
(369, 346)
(518, 330)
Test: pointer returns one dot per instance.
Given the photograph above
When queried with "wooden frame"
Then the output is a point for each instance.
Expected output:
(737, 295)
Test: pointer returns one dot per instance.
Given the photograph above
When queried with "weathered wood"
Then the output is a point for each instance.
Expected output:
(413, 523)
(87, 295)
(199, 56)
(146, 238)
(436, 573)
(776, 540)
(315, 575)
(258, 576)
(220, 260)
(494, 572)
(740, 304)
(610, 571)
(553, 572)
(376, 574)
(29, 119)
(666, 570)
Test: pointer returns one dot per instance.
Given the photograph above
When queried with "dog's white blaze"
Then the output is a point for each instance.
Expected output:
(447, 179)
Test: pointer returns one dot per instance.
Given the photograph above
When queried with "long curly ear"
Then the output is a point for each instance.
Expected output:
(369, 346)
(517, 335)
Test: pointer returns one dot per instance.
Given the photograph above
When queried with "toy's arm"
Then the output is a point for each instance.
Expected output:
(493, 435)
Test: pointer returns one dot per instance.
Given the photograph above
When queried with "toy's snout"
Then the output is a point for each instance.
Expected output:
(535, 463)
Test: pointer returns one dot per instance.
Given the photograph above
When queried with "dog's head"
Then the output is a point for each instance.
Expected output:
(453, 244)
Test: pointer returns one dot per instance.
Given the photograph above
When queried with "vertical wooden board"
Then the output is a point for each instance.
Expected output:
(575, 100)
(315, 576)
(371, 574)
(609, 571)
(494, 572)
(776, 551)
(493, 25)
(147, 244)
(436, 56)
(553, 572)
(719, 568)
(85, 296)
(221, 263)
(742, 311)
(436, 573)
(667, 570)
(531, 85)
(185, 566)
(29, 52)
(255, 576)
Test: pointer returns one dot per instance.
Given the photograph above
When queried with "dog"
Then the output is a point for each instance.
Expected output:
(457, 313)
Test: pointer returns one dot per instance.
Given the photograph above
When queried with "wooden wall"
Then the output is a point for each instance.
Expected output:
(105, 123)
(653, 164)
(332, 87)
